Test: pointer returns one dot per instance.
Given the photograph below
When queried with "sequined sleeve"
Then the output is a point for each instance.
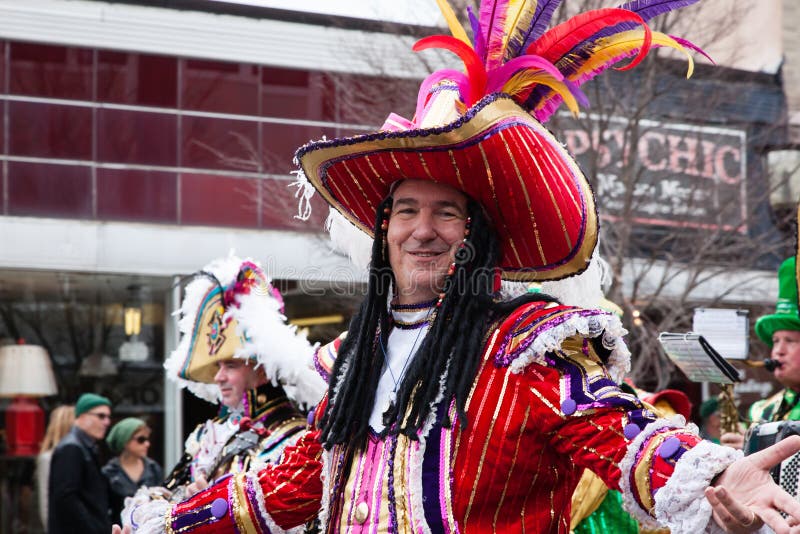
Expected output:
(277, 498)
(572, 359)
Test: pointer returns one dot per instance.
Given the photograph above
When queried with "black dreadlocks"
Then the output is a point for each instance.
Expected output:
(451, 349)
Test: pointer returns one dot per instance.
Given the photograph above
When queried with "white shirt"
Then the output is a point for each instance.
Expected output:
(410, 329)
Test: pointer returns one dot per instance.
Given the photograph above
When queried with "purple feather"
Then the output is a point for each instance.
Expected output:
(539, 22)
(691, 46)
(479, 44)
(647, 9)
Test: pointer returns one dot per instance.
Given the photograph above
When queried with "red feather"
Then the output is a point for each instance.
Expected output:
(558, 41)
(472, 63)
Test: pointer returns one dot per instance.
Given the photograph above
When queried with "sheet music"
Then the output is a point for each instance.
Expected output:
(697, 358)
(725, 329)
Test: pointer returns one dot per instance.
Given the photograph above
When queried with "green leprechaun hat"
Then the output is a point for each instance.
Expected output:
(785, 316)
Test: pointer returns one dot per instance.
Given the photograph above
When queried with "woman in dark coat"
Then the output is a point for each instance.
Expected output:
(131, 468)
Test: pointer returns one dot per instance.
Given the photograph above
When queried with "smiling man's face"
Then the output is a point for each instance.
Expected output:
(425, 228)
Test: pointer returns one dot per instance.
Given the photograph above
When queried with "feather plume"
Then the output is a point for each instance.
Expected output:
(612, 49)
(539, 23)
(452, 21)
(523, 80)
(513, 13)
(560, 40)
(436, 77)
(691, 46)
(473, 65)
(544, 102)
(478, 44)
(499, 76)
(518, 24)
(493, 21)
(647, 9)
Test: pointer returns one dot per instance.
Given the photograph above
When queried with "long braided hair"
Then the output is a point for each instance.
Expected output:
(445, 364)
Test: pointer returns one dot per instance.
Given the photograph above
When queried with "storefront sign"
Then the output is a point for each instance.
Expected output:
(683, 175)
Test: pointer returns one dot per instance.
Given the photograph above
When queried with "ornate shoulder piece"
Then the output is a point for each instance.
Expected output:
(325, 356)
(539, 328)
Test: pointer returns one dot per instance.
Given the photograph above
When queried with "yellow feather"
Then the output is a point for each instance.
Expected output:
(513, 13)
(452, 21)
(524, 79)
(611, 47)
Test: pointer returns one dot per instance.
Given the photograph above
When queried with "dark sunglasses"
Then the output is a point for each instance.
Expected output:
(141, 439)
(101, 416)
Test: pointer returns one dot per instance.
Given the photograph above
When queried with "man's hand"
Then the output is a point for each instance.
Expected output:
(745, 496)
(199, 484)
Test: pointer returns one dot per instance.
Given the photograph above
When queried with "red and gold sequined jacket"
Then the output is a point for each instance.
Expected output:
(544, 406)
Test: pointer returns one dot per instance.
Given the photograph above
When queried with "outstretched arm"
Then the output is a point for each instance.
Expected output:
(744, 497)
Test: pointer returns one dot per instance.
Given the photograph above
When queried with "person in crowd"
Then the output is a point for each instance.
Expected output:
(710, 420)
(61, 419)
(78, 501)
(130, 468)
(236, 349)
(781, 331)
(448, 410)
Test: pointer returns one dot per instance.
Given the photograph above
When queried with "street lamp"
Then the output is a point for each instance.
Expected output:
(132, 311)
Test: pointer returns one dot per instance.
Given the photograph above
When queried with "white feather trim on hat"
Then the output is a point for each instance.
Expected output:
(286, 356)
(348, 239)
(583, 290)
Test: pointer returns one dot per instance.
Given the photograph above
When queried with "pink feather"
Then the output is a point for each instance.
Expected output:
(493, 20)
(499, 76)
(440, 75)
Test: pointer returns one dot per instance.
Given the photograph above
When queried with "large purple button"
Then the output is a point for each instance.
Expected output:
(569, 406)
(219, 508)
(631, 430)
(310, 418)
(669, 447)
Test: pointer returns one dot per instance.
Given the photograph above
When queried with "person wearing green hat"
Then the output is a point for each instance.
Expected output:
(781, 331)
(131, 468)
(77, 489)
(710, 419)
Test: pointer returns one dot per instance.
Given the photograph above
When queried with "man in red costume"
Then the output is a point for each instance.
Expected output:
(448, 409)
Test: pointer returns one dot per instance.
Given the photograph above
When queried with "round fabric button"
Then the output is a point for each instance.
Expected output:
(219, 507)
(362, 511)
(631, 430)
(569, 406)
(310, 418)
(669, 447)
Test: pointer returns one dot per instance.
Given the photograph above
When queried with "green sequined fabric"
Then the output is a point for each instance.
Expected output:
(609, 517)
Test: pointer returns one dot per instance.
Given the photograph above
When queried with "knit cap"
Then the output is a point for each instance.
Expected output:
(121, 433)
(87, 401)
